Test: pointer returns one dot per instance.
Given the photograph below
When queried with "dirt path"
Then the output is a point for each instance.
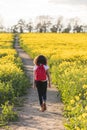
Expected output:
(30, 116)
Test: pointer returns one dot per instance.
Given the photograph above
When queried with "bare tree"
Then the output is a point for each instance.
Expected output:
(14, 29)
(75, 24)
(67, 29)
(1, 28)
(59, 24)
(39, 27)
(43, 23)
(29, 26)
(84, 28)
(54, 29)
(21, 25)
(78, 28)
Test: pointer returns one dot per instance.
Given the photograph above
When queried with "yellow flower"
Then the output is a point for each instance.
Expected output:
(77, 128)
(84, 115)
(77, 98)
(80, 117)
(79, 94)
(84, 86)
(85, 107)
(72, 101)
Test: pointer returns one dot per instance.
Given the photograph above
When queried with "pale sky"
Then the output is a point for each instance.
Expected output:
(13, 10)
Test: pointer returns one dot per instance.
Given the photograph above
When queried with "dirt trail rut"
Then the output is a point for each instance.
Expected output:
(30, 116)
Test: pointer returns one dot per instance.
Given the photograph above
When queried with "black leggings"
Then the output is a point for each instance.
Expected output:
(42, 91)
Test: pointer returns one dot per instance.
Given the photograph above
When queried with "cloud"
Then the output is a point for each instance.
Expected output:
(12, 10)
(71, 2)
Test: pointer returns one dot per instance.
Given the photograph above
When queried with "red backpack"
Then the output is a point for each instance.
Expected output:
(40, 73)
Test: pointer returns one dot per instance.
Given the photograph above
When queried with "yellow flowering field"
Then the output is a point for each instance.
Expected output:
(13, 82)
(10, 68)
(67, 58)
(56, 46)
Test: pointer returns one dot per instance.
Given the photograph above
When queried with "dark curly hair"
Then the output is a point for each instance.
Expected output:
(41, 59)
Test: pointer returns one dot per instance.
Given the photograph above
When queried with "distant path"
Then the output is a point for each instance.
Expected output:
(30, 116)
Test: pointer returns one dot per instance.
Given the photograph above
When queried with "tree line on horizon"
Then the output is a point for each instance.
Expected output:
(45, 24)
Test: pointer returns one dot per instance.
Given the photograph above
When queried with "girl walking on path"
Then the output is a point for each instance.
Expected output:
(41, 79)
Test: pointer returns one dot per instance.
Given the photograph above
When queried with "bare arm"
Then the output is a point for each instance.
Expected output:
(49, 80)
(34, 86)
